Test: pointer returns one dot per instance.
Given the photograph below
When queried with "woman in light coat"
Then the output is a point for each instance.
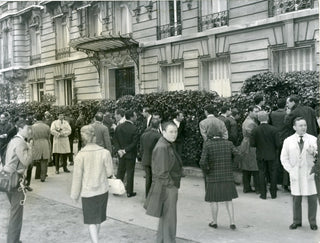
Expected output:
(92, 167)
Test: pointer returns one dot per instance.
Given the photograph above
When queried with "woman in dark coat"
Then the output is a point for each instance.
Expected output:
(216, 163)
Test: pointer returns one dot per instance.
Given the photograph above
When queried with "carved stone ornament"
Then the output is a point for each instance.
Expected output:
(118, 60)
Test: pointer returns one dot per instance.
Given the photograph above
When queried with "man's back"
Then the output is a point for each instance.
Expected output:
(102, 136)
(147, 144)
(126, 137)
(214, 125)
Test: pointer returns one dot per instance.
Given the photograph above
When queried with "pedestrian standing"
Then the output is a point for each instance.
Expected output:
(60, 129)
(18, 158)
(233, 134)
(216, 162)
(72, 124)
(163, 194)
(101, 132)
(92, 167)
(297, 157)
(179, 120)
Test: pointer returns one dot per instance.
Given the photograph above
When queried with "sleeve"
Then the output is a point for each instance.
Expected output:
(77, 178)
(107, 141)
(141, 145)
(133, 144)
(284, 157)
(160, 167)
(224, 130)
(204, 159)
(24, 154)
(253, 138)
(66, 129)
(116, 140)
(108, 164)
(203, 131)
(53, 130)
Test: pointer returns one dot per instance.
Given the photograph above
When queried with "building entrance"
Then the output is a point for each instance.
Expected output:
(124, 82)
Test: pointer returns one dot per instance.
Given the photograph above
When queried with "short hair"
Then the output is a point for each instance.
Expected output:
(209, 108)
(38, 116)
(234, 111)
(129, 114)
(281, 103)
(263, 116)
(156, 113)
(146, 109)
(88, 130)
(177, 113)
(257, 99)
(299, 118)
(251, 107)
(99, 116)
(294, 98)
(120, 112)
(166, 124)
(154, 123)
(224, 109)
(21, 123)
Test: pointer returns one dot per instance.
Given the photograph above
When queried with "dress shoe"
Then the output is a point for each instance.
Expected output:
(213, 225)
(29, 188)
(273, 196)
(313, 227)
(66, 170)
(286, 189)
(71, 163)
(264, 197)
(42, 180)
(248, 190)
(133, 194)
(294, 226)
(233, 226)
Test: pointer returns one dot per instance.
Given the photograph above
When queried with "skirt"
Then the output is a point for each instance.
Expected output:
(95, 209)
(220, 191)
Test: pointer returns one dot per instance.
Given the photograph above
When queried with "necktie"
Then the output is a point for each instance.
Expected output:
(301, 144)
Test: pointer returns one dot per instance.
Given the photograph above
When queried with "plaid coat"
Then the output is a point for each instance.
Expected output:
(216, 160)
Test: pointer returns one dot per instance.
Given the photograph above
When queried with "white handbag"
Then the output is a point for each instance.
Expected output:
(116, 186)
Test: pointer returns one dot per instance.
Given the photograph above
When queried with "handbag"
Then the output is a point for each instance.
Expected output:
(116, 186)
(9, 180)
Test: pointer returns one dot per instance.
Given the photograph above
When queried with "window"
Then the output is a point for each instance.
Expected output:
(295, 59)
(64, 92)
(37, 91)
(95, 25)
(123, 19)
(169, 19)
(175, 78)
(217, 74)
(62, 38)
(214, 13)
(35, 47)
(277, 7)
(6, 49)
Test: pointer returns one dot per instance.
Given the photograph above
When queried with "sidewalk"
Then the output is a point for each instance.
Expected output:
(257, 220)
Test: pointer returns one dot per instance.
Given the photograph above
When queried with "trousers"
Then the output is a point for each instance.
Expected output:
(312, 209)
(127, 166)
(246, 177)
(148, 171)
(268, 167)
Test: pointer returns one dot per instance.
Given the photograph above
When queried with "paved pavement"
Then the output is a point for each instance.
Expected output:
(51, 216)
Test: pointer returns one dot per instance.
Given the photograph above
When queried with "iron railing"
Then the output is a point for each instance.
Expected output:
(213, 20)
(277, 7)
(167, 30)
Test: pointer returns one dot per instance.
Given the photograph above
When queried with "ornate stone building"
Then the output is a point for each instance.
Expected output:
(105, 49)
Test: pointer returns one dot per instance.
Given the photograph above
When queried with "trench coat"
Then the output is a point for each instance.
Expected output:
(299, 165)
(41, 139)
(248, 159)
(60, 131)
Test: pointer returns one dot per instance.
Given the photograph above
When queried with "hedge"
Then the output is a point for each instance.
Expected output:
(191, 103)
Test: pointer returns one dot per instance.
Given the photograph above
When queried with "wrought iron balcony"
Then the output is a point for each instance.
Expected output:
(62, 52)
(213, 20)
(167, 30)
(35, 59)
(277, 7)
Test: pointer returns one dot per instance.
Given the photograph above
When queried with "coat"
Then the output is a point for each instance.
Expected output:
(41, 141)
(216, 160)
(102, 135)
(212, 126)
(277, 120)
(265, 139)
(166, 172)
(248, 159)
(126, 137)
(299, 165)
(60, 131)
(233, 134)
(148, 141)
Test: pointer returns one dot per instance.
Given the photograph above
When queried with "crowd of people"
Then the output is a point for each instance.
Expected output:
(278, 147)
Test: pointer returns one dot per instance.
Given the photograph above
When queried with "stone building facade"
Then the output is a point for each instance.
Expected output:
(78, 50)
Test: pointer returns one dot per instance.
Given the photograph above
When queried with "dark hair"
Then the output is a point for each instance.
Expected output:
(120, 112)
(251, 107)
(234, 111)
(154, 123)
(294, 98)
(209, 109)
(129, 114)
(281, 103)
(177, 113)
(166, 124)
(99, 116)
(21, 123)
(299, 118)
(156, 113)
(257, 99)
(38, 116)
(224, 109)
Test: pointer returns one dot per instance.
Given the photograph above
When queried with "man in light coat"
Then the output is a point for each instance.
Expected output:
(60, 129)
(297, 157)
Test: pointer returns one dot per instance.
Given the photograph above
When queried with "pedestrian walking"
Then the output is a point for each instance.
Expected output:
(18, 158)
(216, 163)
(163, 194)
(297, 157)
(92, 167)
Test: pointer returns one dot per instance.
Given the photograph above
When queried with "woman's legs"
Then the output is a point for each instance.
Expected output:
(214, 211)
(229, 206)
(94, 231)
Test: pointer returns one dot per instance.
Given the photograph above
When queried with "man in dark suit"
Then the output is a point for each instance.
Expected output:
(147, 115)
(233, 134)
(266, 140)
(225, 112)
(259, 101)
(147, 142)
(180, 123)
(298, 110)
(125, 141)
(101, 132)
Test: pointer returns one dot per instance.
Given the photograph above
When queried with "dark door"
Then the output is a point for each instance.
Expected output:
(124, 82)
